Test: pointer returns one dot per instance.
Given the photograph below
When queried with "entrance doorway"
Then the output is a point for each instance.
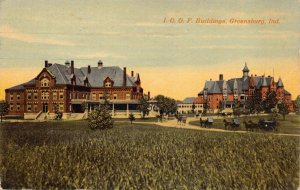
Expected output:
(45, 107)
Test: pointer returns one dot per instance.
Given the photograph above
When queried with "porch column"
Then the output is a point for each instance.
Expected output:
(90, 106)
(127, 110)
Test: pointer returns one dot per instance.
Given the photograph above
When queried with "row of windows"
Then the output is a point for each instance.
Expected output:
(115, 96)
(190, 106)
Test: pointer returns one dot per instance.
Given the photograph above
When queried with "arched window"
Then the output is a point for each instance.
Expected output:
(45, 82)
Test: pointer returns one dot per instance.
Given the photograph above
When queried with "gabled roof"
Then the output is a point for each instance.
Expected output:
(189, 100)
(21, 86)
(98, 75)
(63, 75)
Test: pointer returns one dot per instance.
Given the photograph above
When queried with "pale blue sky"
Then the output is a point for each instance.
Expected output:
(132, 33)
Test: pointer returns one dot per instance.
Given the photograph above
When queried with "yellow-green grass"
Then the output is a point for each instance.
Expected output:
(68, 155)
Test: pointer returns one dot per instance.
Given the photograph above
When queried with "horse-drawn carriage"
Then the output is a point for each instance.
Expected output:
(267, 125)
(233, 125)
(181, 119)
(206, 123)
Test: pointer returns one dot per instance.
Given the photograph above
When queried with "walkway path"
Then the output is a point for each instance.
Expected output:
(173, 123)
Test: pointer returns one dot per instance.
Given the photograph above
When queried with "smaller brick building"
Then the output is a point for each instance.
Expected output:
(225, 92)
(63, 87)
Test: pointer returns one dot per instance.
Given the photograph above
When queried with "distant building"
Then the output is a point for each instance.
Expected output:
(186, 106)
(65, 88)
(224, 92)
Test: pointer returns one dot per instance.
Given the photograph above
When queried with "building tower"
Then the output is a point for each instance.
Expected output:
(280, 89)
(245, 72)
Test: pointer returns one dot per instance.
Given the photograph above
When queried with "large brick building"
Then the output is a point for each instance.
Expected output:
(224, 92)
(64, 87)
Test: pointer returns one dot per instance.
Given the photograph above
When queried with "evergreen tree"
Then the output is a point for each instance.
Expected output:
(100, 118)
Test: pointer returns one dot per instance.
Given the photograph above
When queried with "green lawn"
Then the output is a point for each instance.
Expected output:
(291, 124)
(68, 155)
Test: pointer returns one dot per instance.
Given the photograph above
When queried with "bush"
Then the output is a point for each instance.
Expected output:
(100, 118)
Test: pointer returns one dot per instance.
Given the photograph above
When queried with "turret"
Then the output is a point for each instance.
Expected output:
(245, 71)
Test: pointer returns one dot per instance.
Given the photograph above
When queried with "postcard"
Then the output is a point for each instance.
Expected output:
(132, 94)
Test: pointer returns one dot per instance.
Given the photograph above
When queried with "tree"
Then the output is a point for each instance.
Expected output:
(283, 108)
(166, 105)
(143, 106)
(237, 110)
(270, 102)
(131, 118)
(100, 118)
(254, 103)
(3, 109)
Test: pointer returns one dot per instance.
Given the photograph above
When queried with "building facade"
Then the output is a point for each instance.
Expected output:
(186, 106)
(224, 92)
(64, 88)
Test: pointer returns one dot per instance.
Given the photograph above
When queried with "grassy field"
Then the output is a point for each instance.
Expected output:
(291, 125)
(68, 155)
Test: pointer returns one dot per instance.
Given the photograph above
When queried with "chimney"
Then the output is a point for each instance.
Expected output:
(89, 69)
(148, 95)
(221, 77)
(46, 63)
(124, 77)
(67, 64)
(72, 67)
(100, 64)
(132, 73)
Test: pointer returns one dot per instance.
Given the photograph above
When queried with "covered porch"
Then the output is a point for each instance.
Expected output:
(119, 108)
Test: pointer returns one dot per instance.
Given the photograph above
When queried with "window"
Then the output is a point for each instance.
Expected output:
(18, 107)
(45, 82)
(45, 95)
(35, 95)
(94, 96)
(11, 107)
(61, 95)
(115, 96)
(100, 96)
(18, 96)
(108, 84)
(29, 96)
(35, 107)
(54, 95)
(28, 106)
(11, 97)
(61, 107)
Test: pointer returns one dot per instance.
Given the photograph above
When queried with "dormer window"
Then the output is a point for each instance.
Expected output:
(45, 82)
(108, 84)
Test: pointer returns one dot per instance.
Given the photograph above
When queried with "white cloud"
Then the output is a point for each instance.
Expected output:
(10, 33)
